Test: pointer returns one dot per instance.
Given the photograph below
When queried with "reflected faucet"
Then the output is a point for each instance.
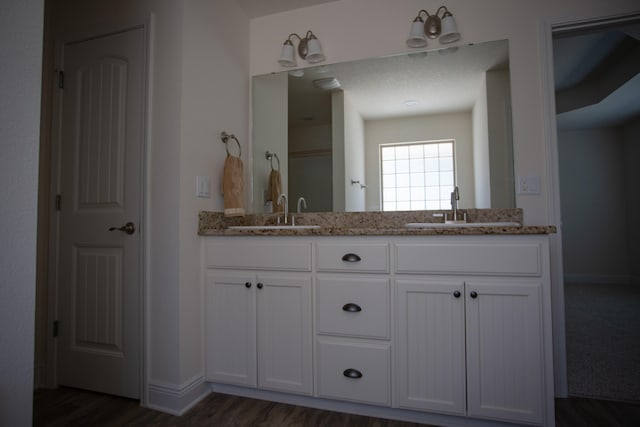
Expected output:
(455, 196)
(302, 201)
(283, 199)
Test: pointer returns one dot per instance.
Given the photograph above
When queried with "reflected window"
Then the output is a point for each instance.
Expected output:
(417, 175)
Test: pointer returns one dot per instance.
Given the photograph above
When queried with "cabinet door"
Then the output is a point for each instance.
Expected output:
(231, 330)
(285, 334)
(430, 372)
(505, 350)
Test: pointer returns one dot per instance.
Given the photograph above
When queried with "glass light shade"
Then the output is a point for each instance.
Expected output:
(450, 32)
(314, 51)
(416, 34)
(287, 56)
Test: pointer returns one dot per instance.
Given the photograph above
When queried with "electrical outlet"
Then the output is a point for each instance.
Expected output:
(203, 186)
(529, 184)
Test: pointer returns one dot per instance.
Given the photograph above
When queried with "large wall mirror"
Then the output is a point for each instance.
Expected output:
(327, 125)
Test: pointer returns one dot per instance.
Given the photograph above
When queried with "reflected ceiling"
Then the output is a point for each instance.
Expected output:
(432, 82)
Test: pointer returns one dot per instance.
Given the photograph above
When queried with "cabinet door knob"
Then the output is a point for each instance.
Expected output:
(351, 258)
(259, 285)
(352, 373)
(352, 308)
(247, 285)
(473, 294)
(456, 294)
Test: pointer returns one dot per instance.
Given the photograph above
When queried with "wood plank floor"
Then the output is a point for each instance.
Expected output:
(70, 407)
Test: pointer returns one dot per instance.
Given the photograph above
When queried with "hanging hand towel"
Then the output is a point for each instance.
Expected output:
(275, 189)
(233, 186)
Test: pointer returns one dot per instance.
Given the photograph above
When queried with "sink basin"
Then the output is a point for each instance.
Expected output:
(272, 227)
(461, 224)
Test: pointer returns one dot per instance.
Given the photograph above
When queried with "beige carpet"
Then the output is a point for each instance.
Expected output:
(603, 341)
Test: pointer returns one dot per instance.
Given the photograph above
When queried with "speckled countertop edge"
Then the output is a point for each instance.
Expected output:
(369, 224)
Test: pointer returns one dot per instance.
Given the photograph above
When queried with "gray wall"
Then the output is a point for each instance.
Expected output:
(631, 150)
(21, 29)
(596, 184)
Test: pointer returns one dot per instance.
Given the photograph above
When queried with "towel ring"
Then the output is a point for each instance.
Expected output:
(270, 157)
(225, 138)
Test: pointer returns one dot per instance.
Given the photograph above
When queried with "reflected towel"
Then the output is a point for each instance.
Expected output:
(233, 186)
(275, 189)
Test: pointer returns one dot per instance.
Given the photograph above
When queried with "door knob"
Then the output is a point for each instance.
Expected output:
(128, 228)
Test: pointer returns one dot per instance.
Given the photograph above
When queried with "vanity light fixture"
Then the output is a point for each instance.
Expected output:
(436, 27)
(329, 83)
(308, 48)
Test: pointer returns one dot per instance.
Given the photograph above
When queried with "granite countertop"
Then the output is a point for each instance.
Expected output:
(370, 224)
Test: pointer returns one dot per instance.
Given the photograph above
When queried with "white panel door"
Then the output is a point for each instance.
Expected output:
(101, 145)
(430, 372)
(505, 363)
(230, 331)
(285, 334)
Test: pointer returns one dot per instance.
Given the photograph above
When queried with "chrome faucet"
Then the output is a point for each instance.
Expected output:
(283, 199)
(302, 201)
(455, 196)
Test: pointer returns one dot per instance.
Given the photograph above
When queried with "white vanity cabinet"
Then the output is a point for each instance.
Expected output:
(447, 330)
(353, 320)
(258, 323)
(471, 331)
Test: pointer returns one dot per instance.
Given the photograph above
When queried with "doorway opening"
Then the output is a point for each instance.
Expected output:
(597, 79)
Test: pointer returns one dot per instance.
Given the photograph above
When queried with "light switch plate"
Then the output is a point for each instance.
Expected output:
(203, 186)
(529, 184)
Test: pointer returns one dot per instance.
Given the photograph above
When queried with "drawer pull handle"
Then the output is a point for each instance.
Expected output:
(259, 285)
(473, 294)
(456, 294)
(247, 285)
(351, 258)
(352, 308)
(352, 373)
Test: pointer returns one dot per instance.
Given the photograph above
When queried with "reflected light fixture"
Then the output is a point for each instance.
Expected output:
(308, 48)
(436, 27)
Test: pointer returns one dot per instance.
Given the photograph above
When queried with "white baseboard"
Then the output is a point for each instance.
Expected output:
(602, 279)
(40, 376)
(176, 399)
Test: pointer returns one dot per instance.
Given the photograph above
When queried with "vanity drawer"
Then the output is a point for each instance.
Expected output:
(354, 257)
(354, 371)
(353, 307)
(513, 259)
(258, 254)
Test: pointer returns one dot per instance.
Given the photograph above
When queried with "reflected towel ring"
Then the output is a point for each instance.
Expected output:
(269, 155)
(225, 138)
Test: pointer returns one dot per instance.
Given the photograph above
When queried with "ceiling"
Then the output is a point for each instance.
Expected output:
(258, 8)
(440, 81)
(597, 76)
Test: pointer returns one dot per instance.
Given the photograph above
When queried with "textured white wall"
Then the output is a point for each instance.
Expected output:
(214, 98)
(354, 155)
(270, 104)
(422, 128)
(21, 30)
(481, 170)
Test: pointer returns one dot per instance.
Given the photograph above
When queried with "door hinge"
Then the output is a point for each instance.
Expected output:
(55, 328)
(58, 201)
(61, 79)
